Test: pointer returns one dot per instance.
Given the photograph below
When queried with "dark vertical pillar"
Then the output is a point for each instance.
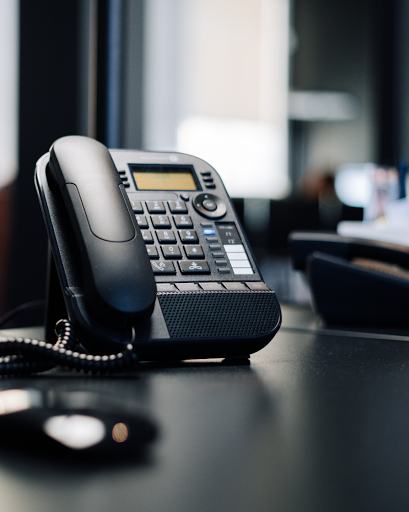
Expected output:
(48, 110)
(387, 77)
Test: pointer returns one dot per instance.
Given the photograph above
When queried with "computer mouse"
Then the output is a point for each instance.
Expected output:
(76, 422)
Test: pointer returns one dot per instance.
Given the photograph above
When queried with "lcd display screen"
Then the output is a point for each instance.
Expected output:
(163, 177)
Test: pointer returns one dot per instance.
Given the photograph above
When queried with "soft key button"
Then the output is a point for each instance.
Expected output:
(187, 287)
(235, 286)
(211, 286)
(238, 259)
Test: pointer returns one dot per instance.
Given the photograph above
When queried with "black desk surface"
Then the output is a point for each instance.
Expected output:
(318, 422)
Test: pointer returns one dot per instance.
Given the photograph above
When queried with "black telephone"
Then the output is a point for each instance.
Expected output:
(354, 281)
(149, 255)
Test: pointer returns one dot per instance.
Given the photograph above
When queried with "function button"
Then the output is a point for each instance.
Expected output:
(165, 287)
(185, 196)
(218, 254)
(160, 221)
(122, 173)
(137, 206)
(188, 236)
(152, 251)
(224, 270)
(166, 237)
(147, 237)
(177, 206)
(258, 286)
(206, 224)
(141, 220)
(163, 267)
(183, 221)
(155, 207)
(209, 231)
(216, 247)
(221, 263)
(126, 185)
(194, 267)
(235, 286)
(171, 251)
(209, 205)
(205, 173)
(211, 286)
(209, 185)
(208, 180)
(187, 287)
(124, 179)
(194, 251)
(212, 239)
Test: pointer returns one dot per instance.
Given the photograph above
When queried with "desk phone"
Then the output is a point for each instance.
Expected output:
(147, 249)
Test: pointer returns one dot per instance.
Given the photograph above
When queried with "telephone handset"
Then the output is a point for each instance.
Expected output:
(119, 286)
(148, 256)
(354, 281)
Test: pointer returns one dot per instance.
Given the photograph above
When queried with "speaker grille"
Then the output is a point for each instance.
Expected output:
(219, 314)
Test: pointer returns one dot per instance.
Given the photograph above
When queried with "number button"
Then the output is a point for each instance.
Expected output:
(155, 207)
(147, 236)
(141, 220)
(177, 206)
(137, 206)
(183, 221)
(172, 252)
(166, 237)
(188, 236)
(159, 221)
(194, 251)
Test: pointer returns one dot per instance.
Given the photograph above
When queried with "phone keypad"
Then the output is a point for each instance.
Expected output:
(175, 247)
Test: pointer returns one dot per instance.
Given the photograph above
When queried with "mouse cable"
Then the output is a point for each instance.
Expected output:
(22, 356)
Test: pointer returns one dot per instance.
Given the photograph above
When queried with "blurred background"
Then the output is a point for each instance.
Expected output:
(291, 93)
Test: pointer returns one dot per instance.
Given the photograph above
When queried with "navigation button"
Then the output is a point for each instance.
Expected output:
(209, 205)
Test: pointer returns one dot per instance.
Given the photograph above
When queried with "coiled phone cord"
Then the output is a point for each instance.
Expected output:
(19, 356)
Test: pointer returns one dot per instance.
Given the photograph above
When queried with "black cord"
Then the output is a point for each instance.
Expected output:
(19, 309)
(21, 356)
